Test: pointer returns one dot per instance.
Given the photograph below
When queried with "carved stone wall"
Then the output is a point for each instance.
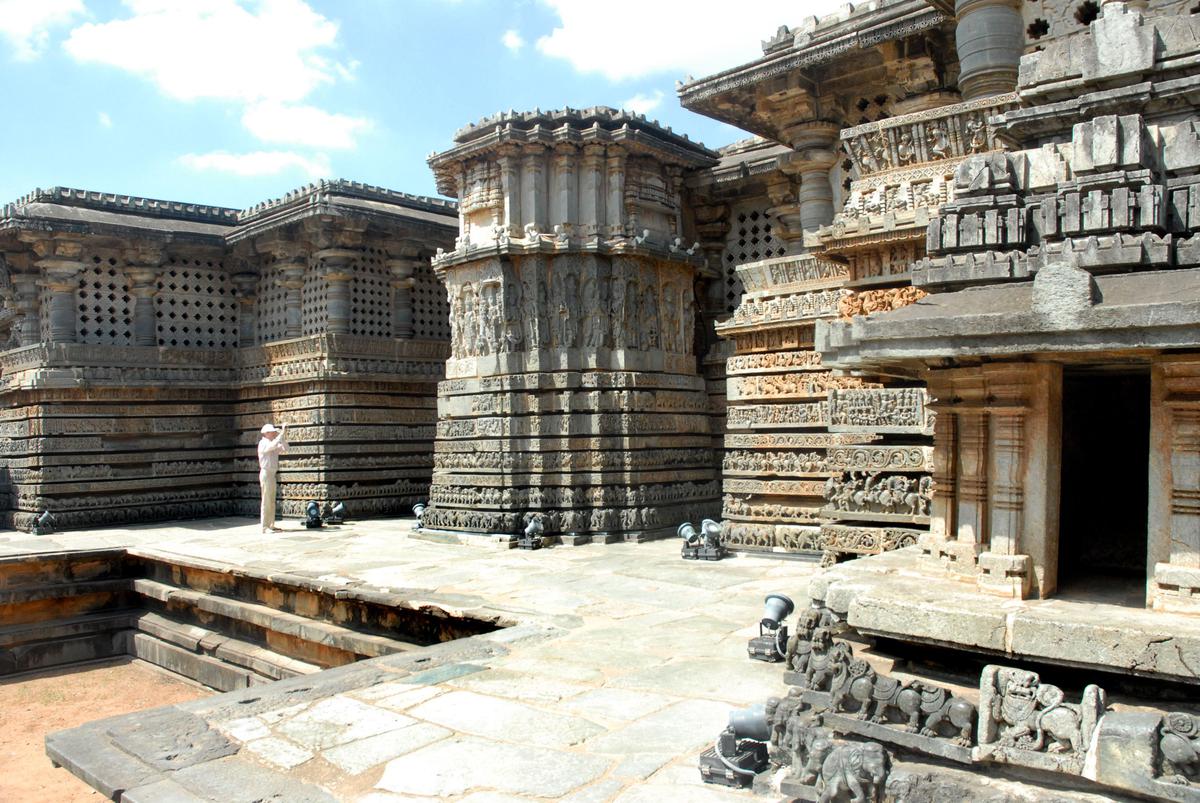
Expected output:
(573, 330)
(140, 370)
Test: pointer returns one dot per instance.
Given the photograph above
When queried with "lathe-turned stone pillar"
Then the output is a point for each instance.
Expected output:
(337, 270)
(403, 269)
(60, 276)
(28, 302)
(990, 39)
(572, 392)
(815, 145)
(291, 279)
(246, 289)
(143, 286)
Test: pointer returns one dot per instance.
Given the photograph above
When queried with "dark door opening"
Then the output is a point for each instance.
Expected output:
(1105, 494)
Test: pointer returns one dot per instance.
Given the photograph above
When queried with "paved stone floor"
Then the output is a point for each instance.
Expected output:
(622, 665)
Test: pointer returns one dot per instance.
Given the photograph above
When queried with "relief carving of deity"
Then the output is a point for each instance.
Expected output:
(617, 312)
(469, 325)
(671, 324)
(566, 309)
(595, 307)
(514, 339)
(649, 330)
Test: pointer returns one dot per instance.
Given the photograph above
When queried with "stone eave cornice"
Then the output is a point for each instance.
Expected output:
(604, 117)
(740, 164)
(383, 215)
(547, 246)
(125, 204)
(637, 139)
(832, 37)
(65, 210)
(325, 189)
(732, 328)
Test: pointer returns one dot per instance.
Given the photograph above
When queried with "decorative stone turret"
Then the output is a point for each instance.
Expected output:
(572, 389)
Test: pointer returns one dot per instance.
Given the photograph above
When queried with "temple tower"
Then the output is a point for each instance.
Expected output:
(572, 390)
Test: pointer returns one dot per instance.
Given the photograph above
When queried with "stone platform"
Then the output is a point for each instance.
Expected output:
(620, 665)
(1100, 626)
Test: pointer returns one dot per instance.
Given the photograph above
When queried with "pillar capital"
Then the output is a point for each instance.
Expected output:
(59, 273)
(990, 39)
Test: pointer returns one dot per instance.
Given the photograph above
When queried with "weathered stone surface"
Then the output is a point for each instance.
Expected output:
(359, 756)
(459, 765)
(170, 739)
(468, 712)
(238, 781)
(340, 720)
(691, 723)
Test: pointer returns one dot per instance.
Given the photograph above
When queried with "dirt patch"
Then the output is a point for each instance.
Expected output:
(36, 704)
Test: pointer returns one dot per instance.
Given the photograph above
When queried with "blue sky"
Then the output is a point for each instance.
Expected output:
(231, 102)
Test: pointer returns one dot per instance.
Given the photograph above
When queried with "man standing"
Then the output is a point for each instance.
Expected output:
(273, 444)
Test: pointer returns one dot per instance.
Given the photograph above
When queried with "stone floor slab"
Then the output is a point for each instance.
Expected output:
(358, 757)
(468, 712)
(458, 766)
(681, 727)
(340, 720)
(278, 752)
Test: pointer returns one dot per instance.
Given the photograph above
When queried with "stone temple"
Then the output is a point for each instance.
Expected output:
(936, 324)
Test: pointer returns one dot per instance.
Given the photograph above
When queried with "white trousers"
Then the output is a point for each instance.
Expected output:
(266, 482)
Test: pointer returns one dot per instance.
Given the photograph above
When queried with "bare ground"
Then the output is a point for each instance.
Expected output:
(35, 704)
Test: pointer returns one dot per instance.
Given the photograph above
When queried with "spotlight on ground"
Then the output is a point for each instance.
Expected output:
(770, 643)
(43, 524)
(702, 545)
(531, 538)
(418, 511)
(334, 512)
(741, 750)
(312, 515)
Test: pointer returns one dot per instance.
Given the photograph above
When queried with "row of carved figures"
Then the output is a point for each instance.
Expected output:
(865, 492)
(494, 317)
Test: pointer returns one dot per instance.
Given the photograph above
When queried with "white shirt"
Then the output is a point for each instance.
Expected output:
(269, 451)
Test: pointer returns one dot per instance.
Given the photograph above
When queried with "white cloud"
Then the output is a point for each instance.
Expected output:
(642, 103)
(215, 49)
(512, 40)
(104, 120)
(303, 125)
(266, 56)
(257, 163)
(26, 24)
(623, 39)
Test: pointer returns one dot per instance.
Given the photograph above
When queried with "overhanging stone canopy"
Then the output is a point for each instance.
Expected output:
(572, 391)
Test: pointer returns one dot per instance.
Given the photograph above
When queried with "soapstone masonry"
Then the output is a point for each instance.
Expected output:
(148, 341)
(572, 393)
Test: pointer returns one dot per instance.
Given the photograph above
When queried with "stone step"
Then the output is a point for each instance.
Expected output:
(50, 653)
(197, 639)
(285, 632)
(212, 672)
(30, 632)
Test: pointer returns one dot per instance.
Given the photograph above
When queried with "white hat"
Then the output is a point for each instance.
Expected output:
(266, 428)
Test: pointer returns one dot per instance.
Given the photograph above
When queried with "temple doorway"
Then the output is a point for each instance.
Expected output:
(1105, 485)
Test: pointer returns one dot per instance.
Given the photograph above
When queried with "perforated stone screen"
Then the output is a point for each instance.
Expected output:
(271, 306)
(431, 312)
(371, 296)
(1051, 19)
(314, 310)
(194, 306)
(750, 239)
(105, 309)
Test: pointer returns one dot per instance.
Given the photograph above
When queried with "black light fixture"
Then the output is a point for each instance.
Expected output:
(771, 642)
(43, 524)
(312, 515)
(334, 512)
(531, 538)
(741, 750)
(702, 545)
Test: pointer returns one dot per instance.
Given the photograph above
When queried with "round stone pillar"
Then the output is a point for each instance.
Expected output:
(336, 270)
(246, 290)
(292, 280)
(402, 284)
(27, 289)
(61, 278)
(815, 145)
(990, 39)
(143, 288)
